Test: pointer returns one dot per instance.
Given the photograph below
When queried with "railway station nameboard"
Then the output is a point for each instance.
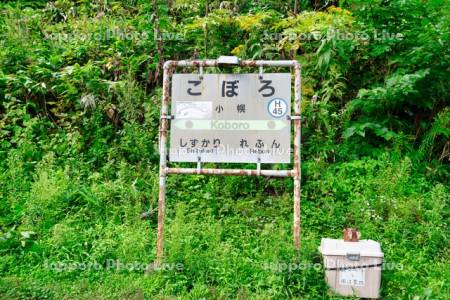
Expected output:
(239, 118)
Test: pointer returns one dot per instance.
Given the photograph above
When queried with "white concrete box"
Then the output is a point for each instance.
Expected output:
(352, 268)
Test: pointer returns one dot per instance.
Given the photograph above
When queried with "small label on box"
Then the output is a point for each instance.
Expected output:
(353, 277)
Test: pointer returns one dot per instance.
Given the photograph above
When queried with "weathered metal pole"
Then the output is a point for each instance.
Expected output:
(231, 172)
(297, 159)
(163, 162)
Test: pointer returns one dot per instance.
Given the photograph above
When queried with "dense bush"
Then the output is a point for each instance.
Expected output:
(79, 113)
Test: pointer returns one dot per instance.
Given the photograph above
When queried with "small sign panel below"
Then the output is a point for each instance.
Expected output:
(231, 118)
(352, 277)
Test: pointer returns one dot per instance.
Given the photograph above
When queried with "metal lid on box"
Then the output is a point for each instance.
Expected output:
(366, 248)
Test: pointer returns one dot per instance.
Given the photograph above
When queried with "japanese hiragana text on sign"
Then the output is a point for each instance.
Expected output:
(231, 118)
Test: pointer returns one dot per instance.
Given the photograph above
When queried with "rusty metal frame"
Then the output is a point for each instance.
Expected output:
(164, 170)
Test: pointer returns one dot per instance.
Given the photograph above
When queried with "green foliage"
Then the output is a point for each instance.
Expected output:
(79, 114)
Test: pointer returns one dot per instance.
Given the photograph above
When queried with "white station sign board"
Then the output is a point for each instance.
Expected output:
(239, 118)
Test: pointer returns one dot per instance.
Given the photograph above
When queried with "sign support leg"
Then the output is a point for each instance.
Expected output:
(161, 216)
(297, 160)
(162, 164)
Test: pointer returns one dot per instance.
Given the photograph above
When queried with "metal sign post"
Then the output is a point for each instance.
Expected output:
(242, 118)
